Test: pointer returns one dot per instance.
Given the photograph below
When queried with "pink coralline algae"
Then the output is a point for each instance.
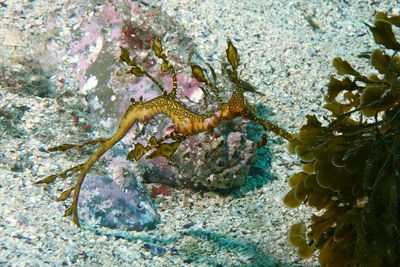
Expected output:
(111, 15)
(86, 50)
(190, 86)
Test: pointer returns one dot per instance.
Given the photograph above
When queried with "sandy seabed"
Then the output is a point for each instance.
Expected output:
(281, 55)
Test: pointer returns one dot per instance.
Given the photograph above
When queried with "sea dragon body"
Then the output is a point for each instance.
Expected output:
(186, 121)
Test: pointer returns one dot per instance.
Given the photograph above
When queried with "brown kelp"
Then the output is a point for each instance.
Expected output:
(351, 166)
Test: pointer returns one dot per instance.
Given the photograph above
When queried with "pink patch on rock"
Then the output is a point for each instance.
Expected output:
(188, 86)
(169, 128)
(116, 33)
(134, 7)
(111, 15)
(83, 50)
(234, 141)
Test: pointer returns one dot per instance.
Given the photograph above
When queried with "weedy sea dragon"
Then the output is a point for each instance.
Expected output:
(186, 121)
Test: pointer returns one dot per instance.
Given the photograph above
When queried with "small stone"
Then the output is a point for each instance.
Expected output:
(188, 225)
(11, 38)
(155, 250)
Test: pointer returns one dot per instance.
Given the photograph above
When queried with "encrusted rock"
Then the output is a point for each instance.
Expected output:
(108, 204)
(208, 161)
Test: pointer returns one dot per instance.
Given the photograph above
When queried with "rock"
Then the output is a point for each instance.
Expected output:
(108, 204)
(204, 161)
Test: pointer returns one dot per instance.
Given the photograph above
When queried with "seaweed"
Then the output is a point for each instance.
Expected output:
(351, 164)
(187, 122)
